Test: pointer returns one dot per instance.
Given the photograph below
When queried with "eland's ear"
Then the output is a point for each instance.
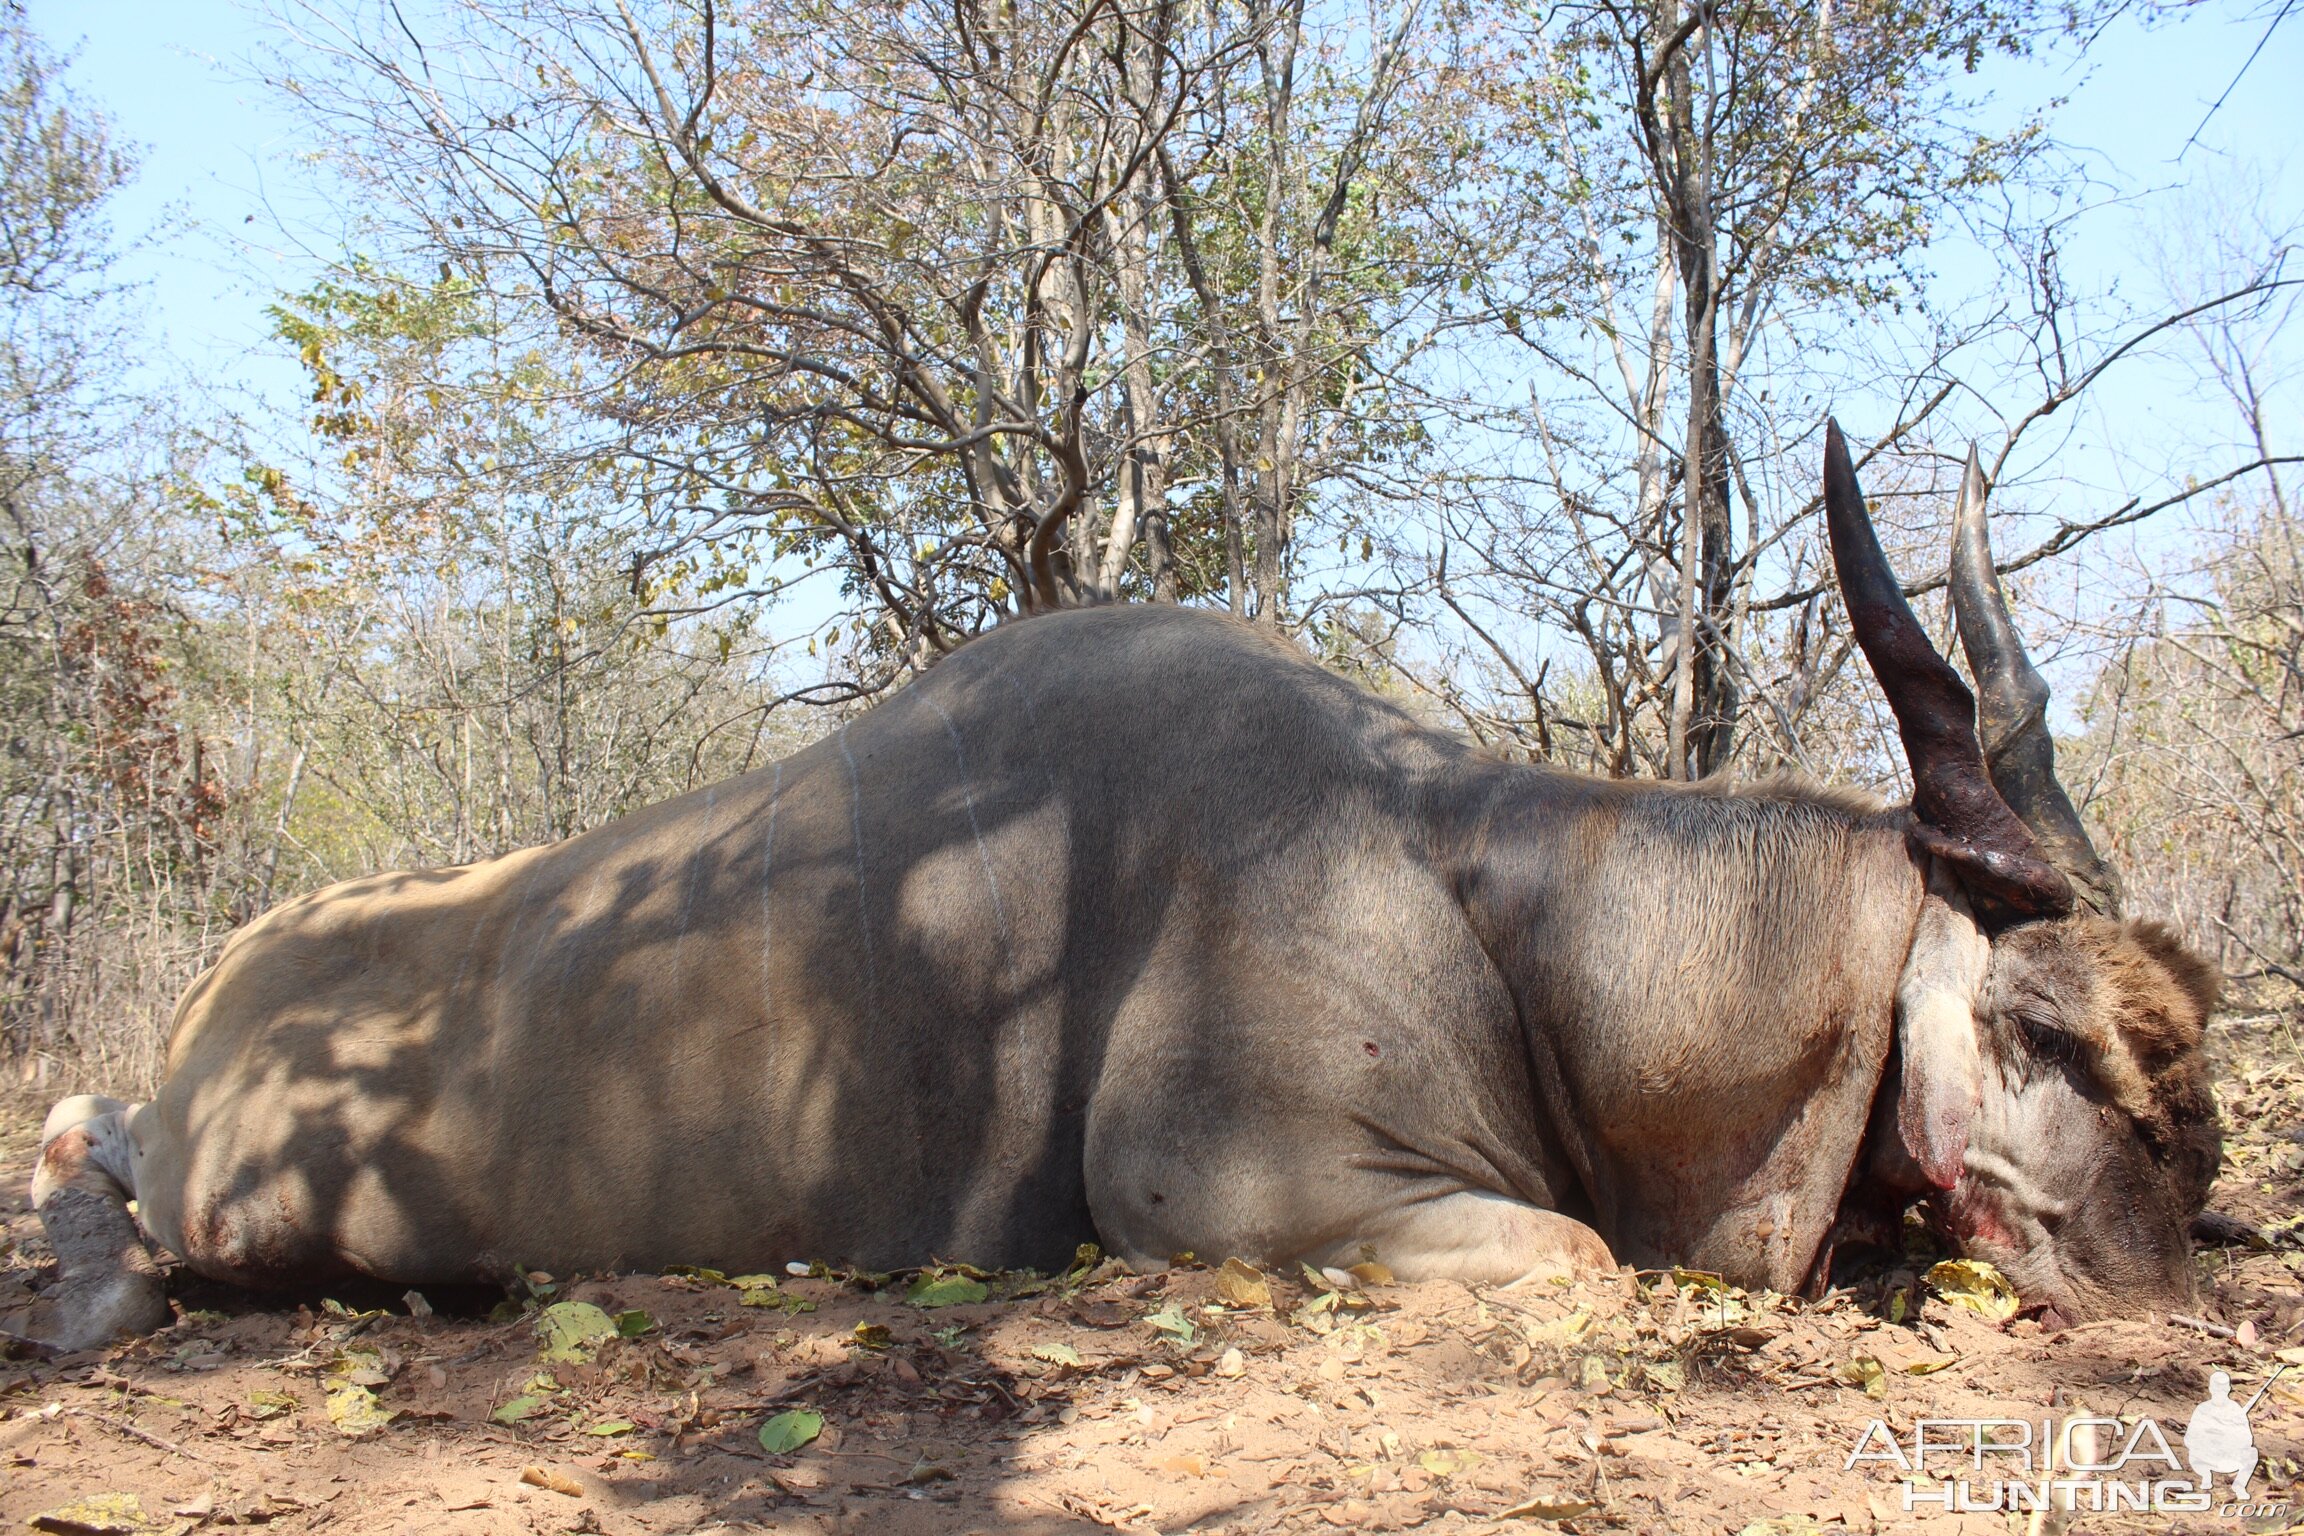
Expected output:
(1936, 1031)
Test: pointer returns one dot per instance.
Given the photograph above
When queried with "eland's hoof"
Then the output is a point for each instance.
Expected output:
(91, 1311)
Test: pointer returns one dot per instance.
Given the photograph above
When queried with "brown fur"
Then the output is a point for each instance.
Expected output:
(1790, 786)
(2153, 1000)
(2138, 1001)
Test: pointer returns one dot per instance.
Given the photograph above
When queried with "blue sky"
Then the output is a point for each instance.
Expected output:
(221, 159)
(213, 150)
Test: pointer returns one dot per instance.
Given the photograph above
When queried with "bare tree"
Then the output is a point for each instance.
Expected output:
(2197, 743)
(986, 309)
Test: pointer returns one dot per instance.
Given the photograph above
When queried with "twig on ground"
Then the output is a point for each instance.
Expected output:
(800, 1388)
(123, 1427)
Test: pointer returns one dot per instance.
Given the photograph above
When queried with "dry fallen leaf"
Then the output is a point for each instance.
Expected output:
(1243, 1285)
(106, 1514)
(558, 1482)
(1976, 1285)
(1447, 1463)
(1864, 1371)
(353, 1409)
(1561, 1507)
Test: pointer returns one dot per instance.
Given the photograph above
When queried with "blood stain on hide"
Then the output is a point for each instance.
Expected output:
(1371, 1048)
(1157, 1197)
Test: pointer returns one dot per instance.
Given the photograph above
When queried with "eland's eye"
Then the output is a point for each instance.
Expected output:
(2045, 1037)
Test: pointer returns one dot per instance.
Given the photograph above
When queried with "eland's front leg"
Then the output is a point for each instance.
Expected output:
(1479, 1237)
(109, 1284)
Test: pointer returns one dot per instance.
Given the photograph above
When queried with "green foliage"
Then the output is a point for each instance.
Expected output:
(790, 1431)
(455, 624)
(112, 802)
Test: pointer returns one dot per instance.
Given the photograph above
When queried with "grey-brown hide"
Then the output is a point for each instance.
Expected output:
(1129, 924)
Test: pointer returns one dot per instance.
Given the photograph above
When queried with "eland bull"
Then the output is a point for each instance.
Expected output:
(1134, 924)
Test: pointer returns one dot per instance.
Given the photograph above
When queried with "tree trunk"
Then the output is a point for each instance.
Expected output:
(1705, 698)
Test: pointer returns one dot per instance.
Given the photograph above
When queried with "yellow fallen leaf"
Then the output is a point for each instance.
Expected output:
(1976, 1285)
(105, 1514)
(270, 1405)
(1370, 1273)
(1243, 1285)
(353, 1409)
(1864, 1371)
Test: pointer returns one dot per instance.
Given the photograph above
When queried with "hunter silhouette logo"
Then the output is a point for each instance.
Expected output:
(2100, 1464)
(2217, 1437)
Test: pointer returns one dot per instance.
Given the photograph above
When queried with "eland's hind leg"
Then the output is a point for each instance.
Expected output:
(109, 1285)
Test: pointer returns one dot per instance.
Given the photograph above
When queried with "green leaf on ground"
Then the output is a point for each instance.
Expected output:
(1171, 1323)
(569, 1330)
(787, 1432)
(789, 1305)
(519, 1408)
(945, 1291)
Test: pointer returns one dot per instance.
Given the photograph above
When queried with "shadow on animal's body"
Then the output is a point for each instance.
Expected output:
(1123, 924)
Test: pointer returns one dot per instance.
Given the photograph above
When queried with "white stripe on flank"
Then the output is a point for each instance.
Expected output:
(856, 829)
(767, 869)
(695, 868)
(968, 798)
